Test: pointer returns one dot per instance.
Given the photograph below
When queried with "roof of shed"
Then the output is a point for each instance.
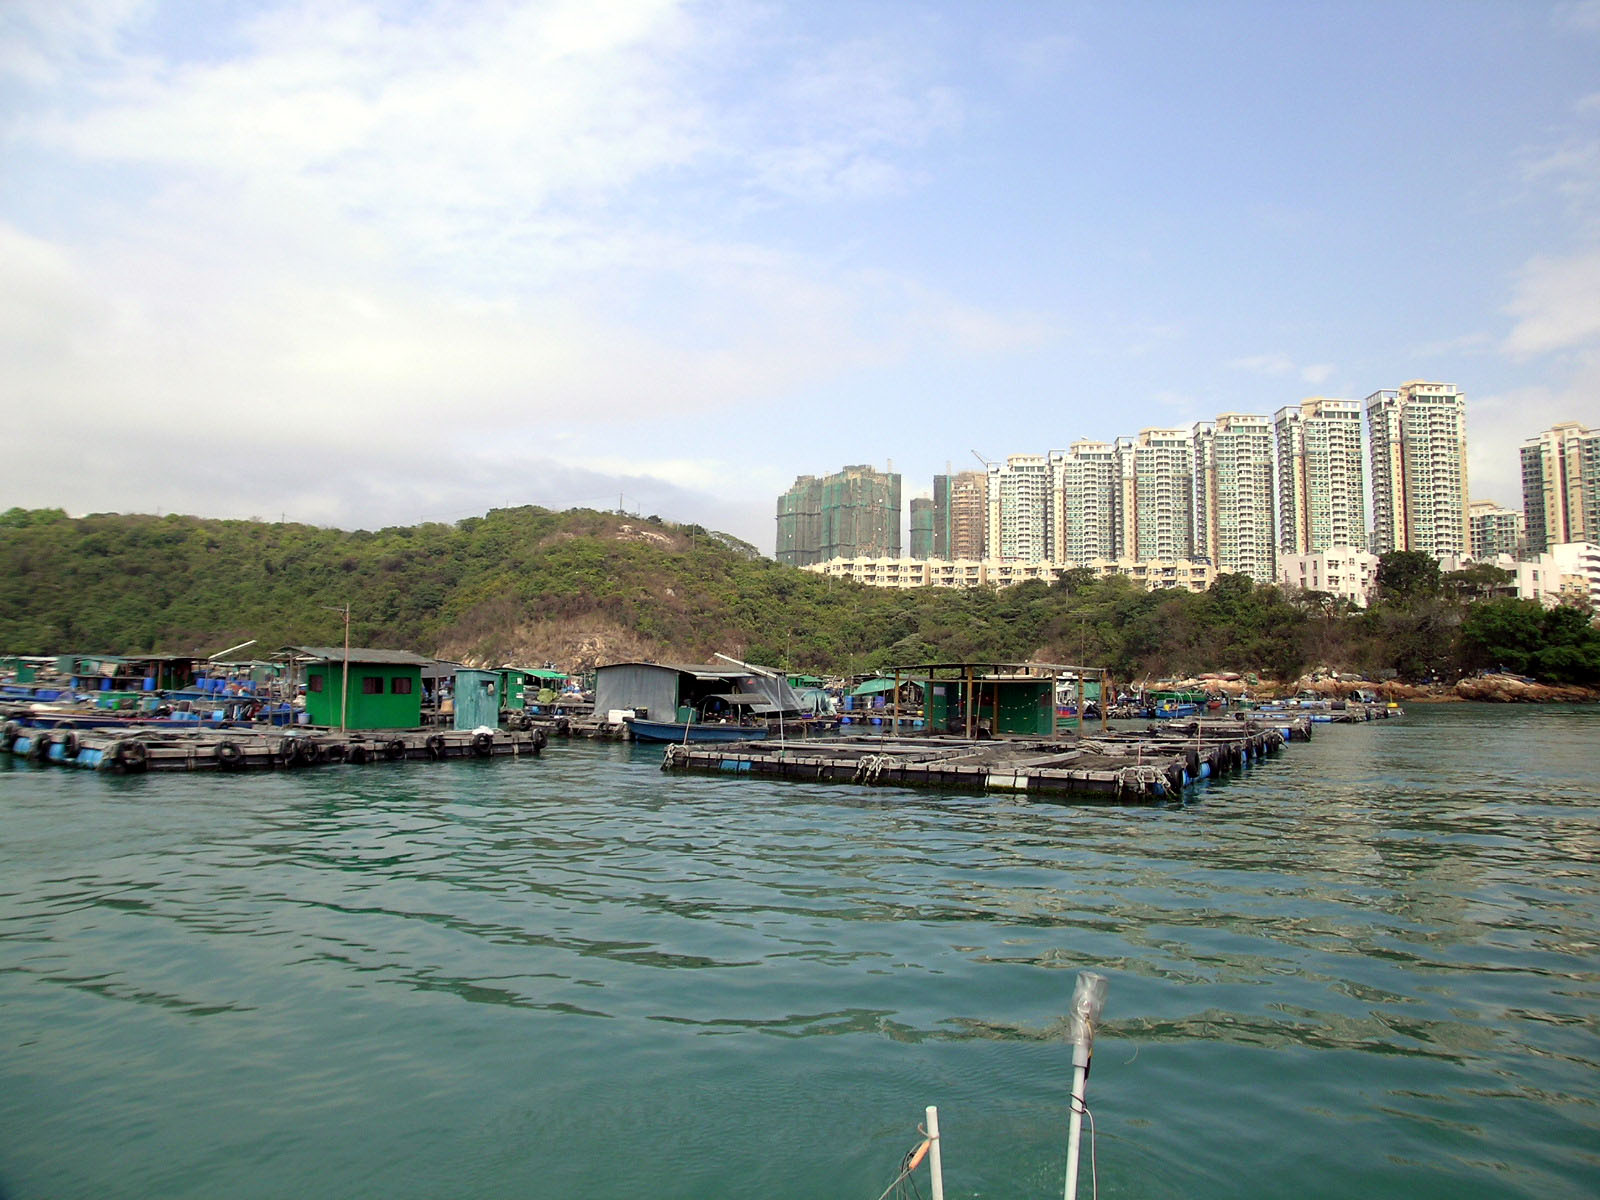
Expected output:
(356, 654)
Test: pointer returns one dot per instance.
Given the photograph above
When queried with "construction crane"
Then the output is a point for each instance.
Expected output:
(986, 463)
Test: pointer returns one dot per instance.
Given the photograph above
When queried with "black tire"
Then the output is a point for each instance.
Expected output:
(483, 744)
(229, 755)
(435, 746)
(132, 755)
(395, 750)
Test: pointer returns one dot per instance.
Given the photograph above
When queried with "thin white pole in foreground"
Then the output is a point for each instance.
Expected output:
(935, 1165)
(1088, 998)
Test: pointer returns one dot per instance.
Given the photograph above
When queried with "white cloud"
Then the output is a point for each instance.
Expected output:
(381, 248)
(1264, 364)
(1038, 61)
(1282, 364)
(41, 41)
(1499, 422)
(1582, 15)
(1557, 305)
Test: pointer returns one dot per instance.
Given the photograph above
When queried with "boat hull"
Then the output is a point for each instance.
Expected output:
(669, 731)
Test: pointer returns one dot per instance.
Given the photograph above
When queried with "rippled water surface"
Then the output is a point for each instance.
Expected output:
(1367, 967)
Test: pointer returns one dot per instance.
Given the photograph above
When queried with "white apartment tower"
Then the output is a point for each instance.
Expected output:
(1322, 480)
(1561, 486)
(1084, 488)
(1233, 495)
(1157, 470)
(1419, 469)
(1019, 509)
(1495, 530)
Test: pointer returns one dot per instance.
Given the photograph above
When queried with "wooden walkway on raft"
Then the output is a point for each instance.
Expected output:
(134, 750)
(1118, 767)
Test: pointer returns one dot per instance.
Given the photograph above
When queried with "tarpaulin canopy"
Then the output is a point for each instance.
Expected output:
(873, 686)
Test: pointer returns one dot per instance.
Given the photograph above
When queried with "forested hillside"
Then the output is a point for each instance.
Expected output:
(530, 585)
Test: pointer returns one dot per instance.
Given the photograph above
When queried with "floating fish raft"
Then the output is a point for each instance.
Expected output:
(134, 750)
(1154, 764)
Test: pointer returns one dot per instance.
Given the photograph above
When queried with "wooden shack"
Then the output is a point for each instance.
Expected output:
(129, 673)
(477, 698)
(385, 686)
(985, 699)
(522, 687)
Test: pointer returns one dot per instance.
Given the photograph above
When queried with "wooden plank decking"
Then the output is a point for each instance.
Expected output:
(1133, 766)
(133, 750)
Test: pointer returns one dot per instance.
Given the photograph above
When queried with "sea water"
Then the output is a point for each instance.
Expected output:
(1367, 966)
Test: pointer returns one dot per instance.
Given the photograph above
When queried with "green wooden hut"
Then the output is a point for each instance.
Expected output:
(477, 698)
(385, 686)
(988, 699)
(522, 686)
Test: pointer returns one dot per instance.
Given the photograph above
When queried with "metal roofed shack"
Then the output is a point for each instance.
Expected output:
(686, 692)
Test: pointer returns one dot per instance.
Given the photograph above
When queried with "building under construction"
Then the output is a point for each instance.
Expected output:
(852, 514)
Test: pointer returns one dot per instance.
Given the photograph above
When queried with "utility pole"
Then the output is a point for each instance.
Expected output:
(344, 685)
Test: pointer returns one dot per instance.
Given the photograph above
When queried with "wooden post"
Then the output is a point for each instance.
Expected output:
(344, 687)
(935, 1157)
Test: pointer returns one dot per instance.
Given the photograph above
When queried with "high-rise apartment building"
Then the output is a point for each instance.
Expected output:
(1418, 436)
(1233, 495)
(1157, 475)
(1495, 530)
(1322, 480)
(1561, 486)
(921, 532)
(1019, 509)
(854, 513)
(1084, 493)
(960, 515)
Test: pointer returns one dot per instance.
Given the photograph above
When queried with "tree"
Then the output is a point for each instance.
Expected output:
(1407, 575)
(1477, 581)
(1556, 645)
(1501, 635)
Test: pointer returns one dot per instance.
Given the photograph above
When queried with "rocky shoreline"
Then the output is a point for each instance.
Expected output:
(1493, 689)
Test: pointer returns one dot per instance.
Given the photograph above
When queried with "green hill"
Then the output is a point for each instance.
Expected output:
(529, 585)
(520, 584)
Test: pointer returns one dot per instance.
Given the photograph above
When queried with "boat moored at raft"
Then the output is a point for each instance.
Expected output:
(692, 731)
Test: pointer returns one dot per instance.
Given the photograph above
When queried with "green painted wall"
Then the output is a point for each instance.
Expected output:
(1026, 706)
(385, 709)
(477, 698)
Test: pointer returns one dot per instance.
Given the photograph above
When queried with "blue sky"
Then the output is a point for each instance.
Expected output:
(365, 264)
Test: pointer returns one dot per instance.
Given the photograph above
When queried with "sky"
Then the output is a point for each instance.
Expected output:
(370, 264)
